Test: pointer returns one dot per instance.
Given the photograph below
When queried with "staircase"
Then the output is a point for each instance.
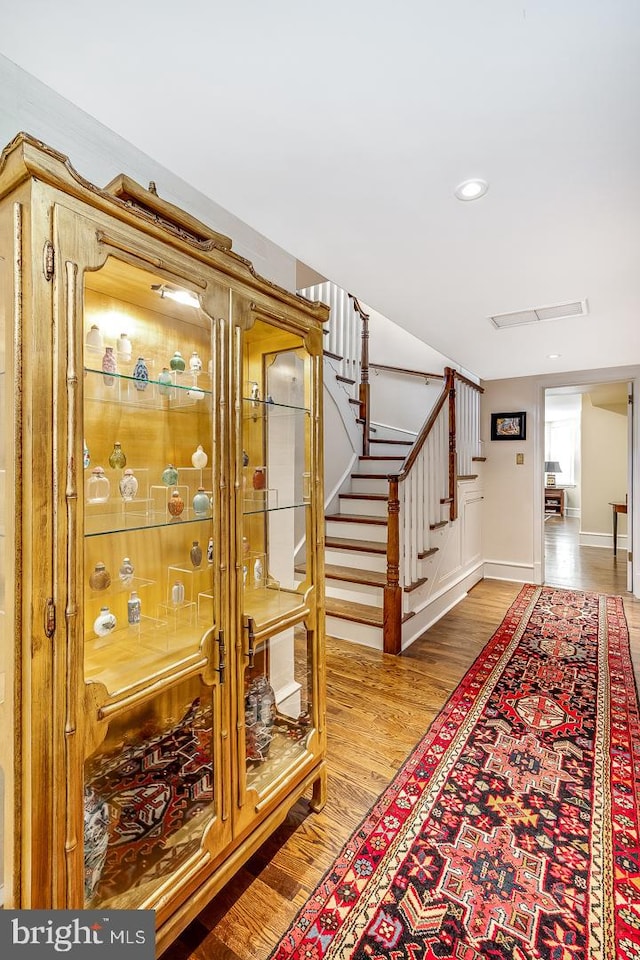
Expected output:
(356, 552)
(394, 548)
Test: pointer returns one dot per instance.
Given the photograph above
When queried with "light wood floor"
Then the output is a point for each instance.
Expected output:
(378, 708)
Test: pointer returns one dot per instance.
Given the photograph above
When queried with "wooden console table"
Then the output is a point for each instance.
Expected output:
(554, 500)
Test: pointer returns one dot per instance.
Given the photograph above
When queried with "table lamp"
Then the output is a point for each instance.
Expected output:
(551, 467)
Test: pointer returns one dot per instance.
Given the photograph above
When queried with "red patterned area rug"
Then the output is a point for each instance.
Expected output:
(512, 830)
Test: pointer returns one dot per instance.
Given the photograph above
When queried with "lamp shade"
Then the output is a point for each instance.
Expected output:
(552, 466)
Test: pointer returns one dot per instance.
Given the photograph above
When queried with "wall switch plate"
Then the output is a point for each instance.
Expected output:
(519, 459)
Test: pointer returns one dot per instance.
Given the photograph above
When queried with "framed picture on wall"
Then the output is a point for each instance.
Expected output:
(508, 426)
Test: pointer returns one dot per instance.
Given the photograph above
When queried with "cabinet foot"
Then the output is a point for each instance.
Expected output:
(319, 794)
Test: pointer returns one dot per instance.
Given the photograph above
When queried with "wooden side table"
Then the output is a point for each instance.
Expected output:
(617, 508)
(554, 500)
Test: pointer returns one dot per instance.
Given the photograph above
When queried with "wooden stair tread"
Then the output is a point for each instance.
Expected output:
(344, 379)
(356, 518)
(334, 571)
(369, 476)
(328, 353)
(467, 476)
(385, 456)
(427, 553)
(364, 496)
(405, 443)
(358, 612)
(361, 546)
(414, 586)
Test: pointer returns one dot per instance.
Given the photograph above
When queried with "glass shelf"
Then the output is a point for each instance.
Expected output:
(102, 524)
(186, 389)
(262, 407)
(255, 509)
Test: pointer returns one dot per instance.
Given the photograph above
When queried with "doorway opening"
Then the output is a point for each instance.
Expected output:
(586, 487)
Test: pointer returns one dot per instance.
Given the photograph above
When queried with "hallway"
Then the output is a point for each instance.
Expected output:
(569, 565)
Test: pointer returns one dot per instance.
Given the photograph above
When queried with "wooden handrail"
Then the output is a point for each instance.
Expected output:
(409, 373)
(428, 426)
(469, 383)
(453, 457)
(357, 307)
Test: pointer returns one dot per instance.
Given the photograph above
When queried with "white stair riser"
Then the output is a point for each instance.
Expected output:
(389, 450)
(370, 485)
(383, 467)
(356, 559)
(354, 592)
(354, 632)
(364, 508)
(357, 531)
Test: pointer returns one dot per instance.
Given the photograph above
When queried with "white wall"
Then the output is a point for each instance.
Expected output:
(398, 400)
(510, 489)
(604, 458)
(98, 154)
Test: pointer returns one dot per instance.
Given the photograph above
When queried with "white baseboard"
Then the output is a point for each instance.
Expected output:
(604, 540)
(505, 570)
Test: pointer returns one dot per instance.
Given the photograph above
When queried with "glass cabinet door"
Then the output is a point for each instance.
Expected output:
(276, 523)
(153, 646)
(149, 524)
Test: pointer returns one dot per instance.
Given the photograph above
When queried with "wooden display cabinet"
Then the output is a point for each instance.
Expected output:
(162, 664)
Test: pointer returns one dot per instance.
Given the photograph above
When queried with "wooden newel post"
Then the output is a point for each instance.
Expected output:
(453, 467)
(392, 629)
(364, 388)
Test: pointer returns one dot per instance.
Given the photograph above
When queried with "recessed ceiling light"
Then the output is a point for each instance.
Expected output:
(553, 356)
(471, 189)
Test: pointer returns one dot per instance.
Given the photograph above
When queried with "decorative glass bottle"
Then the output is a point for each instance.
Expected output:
(259, 478)
(104, 623)
(196, 553)
(177, 593)
(97, 486)
(199, 458)
(210, 550)
(170, 476)
(128, 485)
(201, 503)
(165, 381)
(124, 348)
(86, 458)
(175, 504)
(126, 572)
(117, 458)
(177, 362)
(258, 571)
(134, 608)
(141, 374)
(99, 578)
(109, 366)
(94, 337)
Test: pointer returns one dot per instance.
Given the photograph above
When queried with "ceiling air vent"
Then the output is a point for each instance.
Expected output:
(558, 311)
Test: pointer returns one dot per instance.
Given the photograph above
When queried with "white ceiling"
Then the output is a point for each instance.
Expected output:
(339, 129)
